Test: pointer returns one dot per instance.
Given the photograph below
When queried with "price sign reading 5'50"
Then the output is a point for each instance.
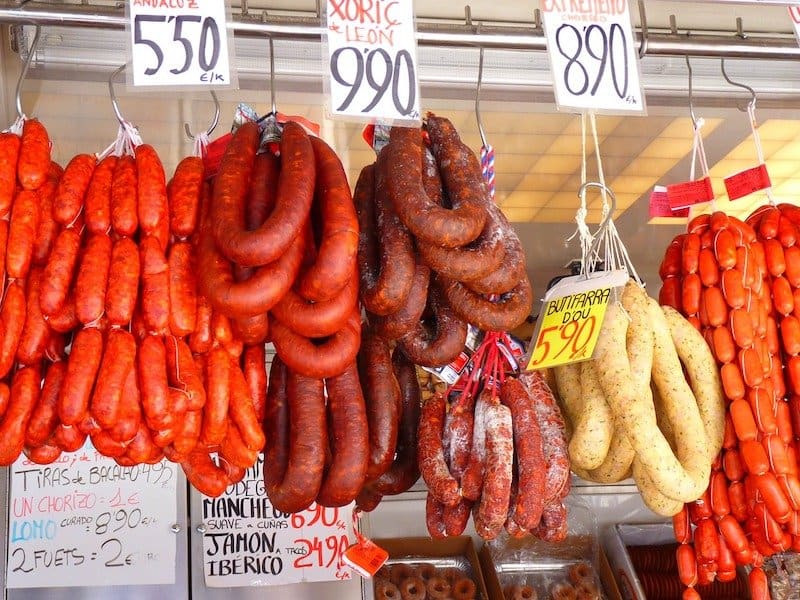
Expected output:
(179, 43)
(593, 56)
(372, 61)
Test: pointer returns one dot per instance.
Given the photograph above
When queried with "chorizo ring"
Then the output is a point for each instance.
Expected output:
(307, 442)
(507, 313)
(513, 266)
(427, 220)
(276, 425)
(317, 319)
(349, 440)
(403, 473)
(386, 258)
(382, 396)
(474, 261)
(337, 253)
(328, 359)
(444, 343)
(292, 206)
(398, 324)
(263, 190)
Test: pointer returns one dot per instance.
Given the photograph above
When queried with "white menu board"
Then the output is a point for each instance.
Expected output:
(86, 521)
(247, 542)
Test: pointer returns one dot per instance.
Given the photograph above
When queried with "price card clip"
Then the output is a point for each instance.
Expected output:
(365, 557)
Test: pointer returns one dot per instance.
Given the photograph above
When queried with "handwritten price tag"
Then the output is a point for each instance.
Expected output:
(84, 520)
(179, 43)
(593, 56)
(372, 61)
(570, 319)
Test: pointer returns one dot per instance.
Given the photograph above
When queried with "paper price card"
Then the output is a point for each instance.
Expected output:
(570, 319)
(247, 541)
(372, 61)
(86, 521)
(179, 43)
(593, 56)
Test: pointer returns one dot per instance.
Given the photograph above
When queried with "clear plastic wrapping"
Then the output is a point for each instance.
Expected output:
(426, 578)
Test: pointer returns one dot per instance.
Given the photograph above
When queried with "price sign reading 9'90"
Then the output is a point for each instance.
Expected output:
(372, 61)
(179, 43)
(593, 56)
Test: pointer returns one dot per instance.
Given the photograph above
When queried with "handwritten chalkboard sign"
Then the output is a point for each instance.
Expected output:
(86, 521)
(247, 542)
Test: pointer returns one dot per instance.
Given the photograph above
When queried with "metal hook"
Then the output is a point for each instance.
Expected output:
(273, 109)
(645, 29)
(744, 86)
(478, 101)
(214, 121)
(691, 97)
(114, 102)
(25, 67)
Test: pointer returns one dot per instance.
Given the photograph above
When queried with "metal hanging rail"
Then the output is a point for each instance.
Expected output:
(708, 45)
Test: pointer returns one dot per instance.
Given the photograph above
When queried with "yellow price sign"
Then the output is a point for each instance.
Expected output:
(570, 320)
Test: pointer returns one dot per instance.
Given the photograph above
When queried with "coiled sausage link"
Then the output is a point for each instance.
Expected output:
(406, 319)
(503, 315)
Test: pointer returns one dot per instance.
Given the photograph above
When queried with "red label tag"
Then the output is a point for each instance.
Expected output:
(214, 153)
(368, 135)
(659, 204)
(747, 182)
(365, 557)
(688, 193)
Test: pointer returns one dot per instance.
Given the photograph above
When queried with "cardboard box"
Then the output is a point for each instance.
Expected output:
(495, 590)
(420, 548)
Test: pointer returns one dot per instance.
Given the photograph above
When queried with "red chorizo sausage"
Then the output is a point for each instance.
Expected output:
(5, 396)
(48, 228)
(130, 413)
(255, 373)
(44, 417)
(97, 203)
(184, 196)
(155, 286)
(429, 222)
(182, 289)
(46, 454)
(276, 425)
(24, 397)
(9, 153)
(263, 190)
(502, 315)
(153, 385)
(514, 267)
(368, 500)
(92, 282)
(59, 271)
(307, 440)
(430, 453)
(3, 244)
(82, 366)
(118, 359)
(201, 338)
(337, 253)
(215, 412)
(472, 478)
(151, 192)
(406, 319)
(182, 372)
(253, 329)
(124, 213)
(234, 450)
(72, 188)
(206, 477)
(293, 201)
(34, 156)
(12, 321)
(242, 411)
(66, 319)
(324, 360)
(123, 282)
(403, 472)
(22, 233)
(69, 438)
(189, 432)
(36, 333)
(434, 517)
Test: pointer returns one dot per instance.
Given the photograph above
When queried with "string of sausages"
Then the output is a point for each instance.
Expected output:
(733, 282)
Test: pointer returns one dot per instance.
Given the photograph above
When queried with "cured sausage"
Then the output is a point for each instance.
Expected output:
(44, 417)
(253, 329)
(3, 244)
(183, 194)
(97, 203)
(349, 440)
(201, 338)
(307, 440)
(502, 315)
(130, 414)
(386, 251)
(324, 360)
(434, 517)
(119, 356)
(203, 474)
(382, 396)
(151, 362)
(151, 192)
(317, 319)
(218, 368)
(21, 233)
(24, 397)
(123, 282)
(65, 320)
(155, 286)
(276, 425)
(255, 373)
(406, 319)
(441, 342)
(242, 411)
(48, 228)
(339, 237)
(92, 282)
(59, 271)
(430, 453)
(498, 471)
(528, 448)
(182, 372)
(182, 289)
(124, 212)
(72, 188)
(403, 472)
(9, 153)
(514, 267)
(34, 156)
(12, 321)
(293, 202)
(36, 333)
(428, 221)
(263, 190)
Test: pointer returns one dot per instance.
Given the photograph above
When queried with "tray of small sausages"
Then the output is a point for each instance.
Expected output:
(428, 578)
(783, 574)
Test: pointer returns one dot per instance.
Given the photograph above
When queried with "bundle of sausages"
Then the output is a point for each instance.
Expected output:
(734, 281)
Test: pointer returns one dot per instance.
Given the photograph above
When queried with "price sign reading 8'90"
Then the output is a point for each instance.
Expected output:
(593, 56)
(372, 60)
(179, 43)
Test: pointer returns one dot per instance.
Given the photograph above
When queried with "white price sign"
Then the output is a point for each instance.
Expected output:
(372, 62)
(179, 43)
(593, 56)
(794, 14)
(86, 521)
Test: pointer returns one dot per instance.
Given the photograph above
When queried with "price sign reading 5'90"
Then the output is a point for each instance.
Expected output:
(593, 55)
(372, 60)
(179, 43)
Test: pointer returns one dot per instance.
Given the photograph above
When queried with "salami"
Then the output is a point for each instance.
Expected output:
(498, 472)
(430, 453)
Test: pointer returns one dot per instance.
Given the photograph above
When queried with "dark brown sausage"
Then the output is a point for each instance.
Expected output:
(430, 453)
(502, 315)
(513, 270)
(406, 319)
(276, 425)
(349, 440)
(434, 517)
